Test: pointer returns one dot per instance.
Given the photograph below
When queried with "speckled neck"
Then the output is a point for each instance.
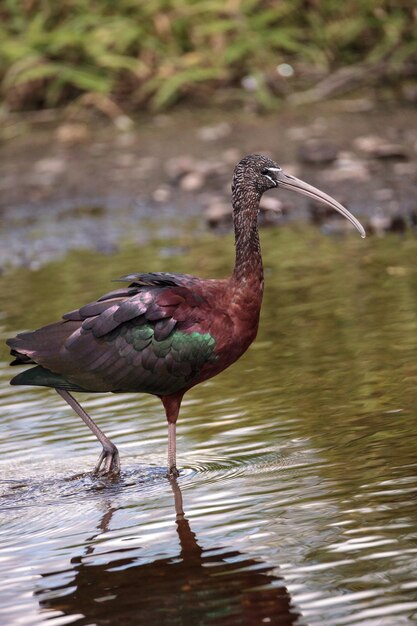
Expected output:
(248, 263)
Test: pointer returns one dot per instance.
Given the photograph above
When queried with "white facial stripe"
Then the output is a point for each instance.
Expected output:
(274, 169)
(271, 179)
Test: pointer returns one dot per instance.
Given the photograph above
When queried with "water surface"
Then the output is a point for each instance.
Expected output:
(298, 464)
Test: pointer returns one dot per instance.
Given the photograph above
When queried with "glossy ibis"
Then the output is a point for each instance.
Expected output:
(163, 333)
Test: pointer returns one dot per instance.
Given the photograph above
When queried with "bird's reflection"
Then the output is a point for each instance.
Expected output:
(217, 587)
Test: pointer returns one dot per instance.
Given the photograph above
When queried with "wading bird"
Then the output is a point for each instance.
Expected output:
(163, 333)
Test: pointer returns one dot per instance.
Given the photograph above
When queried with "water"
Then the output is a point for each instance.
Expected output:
(298, 465)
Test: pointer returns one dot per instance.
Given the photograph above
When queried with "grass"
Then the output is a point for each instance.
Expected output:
(153, 53)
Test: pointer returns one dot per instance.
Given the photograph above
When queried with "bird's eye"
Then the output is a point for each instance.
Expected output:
(267, 173)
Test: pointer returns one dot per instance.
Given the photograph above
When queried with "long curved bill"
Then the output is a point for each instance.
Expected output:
(286, 181)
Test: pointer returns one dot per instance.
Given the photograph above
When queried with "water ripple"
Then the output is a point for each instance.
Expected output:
(298, 465)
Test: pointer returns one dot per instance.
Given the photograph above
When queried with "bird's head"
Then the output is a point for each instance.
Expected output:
(257, 173)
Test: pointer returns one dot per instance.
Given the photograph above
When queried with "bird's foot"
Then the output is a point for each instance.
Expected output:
(108, 463)
(173, 472)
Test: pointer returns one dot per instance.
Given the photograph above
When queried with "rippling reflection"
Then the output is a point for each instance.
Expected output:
(201, 586)
(298, 462)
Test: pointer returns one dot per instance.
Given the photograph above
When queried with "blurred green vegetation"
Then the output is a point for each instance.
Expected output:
(152, 53)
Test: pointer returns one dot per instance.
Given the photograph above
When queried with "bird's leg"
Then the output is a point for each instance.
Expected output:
(108, 462)
(172, 408)
(172, 450)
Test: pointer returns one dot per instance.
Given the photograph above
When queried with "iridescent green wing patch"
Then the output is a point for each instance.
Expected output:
(160, 367)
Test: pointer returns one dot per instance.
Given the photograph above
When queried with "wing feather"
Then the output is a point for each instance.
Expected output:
(164, 327)
(131, 339)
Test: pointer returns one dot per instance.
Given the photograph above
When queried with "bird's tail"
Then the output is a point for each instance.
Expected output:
(42, 377)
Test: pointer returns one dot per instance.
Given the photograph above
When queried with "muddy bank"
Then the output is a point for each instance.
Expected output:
(76, 183)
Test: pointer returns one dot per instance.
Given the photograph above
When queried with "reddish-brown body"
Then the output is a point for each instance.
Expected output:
(232, 318)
